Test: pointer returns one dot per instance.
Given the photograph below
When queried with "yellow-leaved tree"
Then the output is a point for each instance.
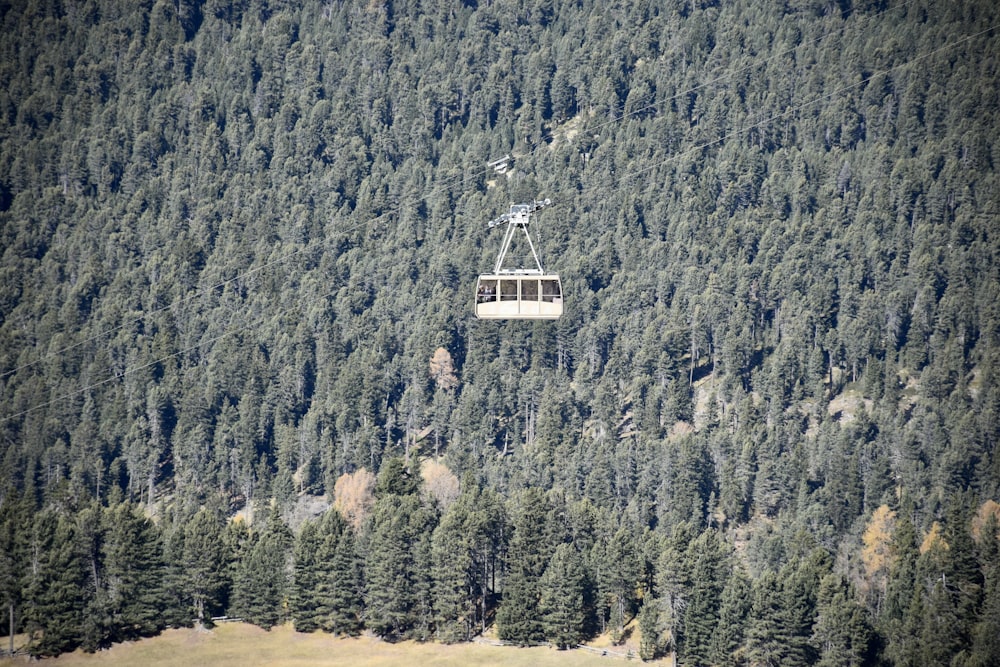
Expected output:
(354, 496)
(442, 369)
(876, 554)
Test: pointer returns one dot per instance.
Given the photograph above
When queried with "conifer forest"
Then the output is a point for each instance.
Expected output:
(241, 375)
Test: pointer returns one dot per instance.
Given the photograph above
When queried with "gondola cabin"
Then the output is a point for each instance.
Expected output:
(518, 293)
(519, 297)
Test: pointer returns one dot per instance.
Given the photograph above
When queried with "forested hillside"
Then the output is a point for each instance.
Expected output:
(240, 374)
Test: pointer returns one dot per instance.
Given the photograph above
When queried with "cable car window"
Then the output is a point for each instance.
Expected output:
(508, 290)
(487, 291)
(529, 290)
(550, 291)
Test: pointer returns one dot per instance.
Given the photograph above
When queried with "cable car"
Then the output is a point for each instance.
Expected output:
(519, 293)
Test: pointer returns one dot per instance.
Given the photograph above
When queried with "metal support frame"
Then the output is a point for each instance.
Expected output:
(518, 217)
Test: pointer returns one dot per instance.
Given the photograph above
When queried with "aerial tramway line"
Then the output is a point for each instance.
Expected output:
(500, 308)
(499, 166)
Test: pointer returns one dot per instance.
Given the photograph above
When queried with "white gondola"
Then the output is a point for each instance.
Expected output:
(518, 293)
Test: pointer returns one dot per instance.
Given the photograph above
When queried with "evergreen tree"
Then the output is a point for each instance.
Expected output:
(519, 619)
(487, 535)
(734, 611)
(202, 301)
(325, 588)
(963, 576)
(709, 573)
(15, 523)
(389, 568)
(132, 575)
(398, 565)
(561, 599)
(55, 593)
(842, 636)
(650, 645)
(454, 584)
(937, 640)
(766, 641)
(396, 479)
(237, 539)
(97, 625)
(901, 590)
(345, 587)
(424, 581)
(799, 597)
(305, 604)
(986, 634)
(948, 588)
(784, 610)
(617, 579)
(672, 581)
(197, 568)
(907, 647)
(260, 584)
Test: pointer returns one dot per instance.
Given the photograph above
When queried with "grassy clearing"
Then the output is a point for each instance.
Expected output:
(243, 645)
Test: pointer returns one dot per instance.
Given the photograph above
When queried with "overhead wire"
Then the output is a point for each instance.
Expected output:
(136, 369)
(791, 111)
(438, 187)
(651, 100)
(361, 223)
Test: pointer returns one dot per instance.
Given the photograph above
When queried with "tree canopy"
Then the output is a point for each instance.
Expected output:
(238, 249)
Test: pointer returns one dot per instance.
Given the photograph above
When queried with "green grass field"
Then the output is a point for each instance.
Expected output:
(243, 645)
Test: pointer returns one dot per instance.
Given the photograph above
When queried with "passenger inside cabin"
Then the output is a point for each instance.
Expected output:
(487, 291)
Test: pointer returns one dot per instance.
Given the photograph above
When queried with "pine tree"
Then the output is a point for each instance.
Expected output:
(396, 479)
(466, 548)
(901, 590)
(316, 579)
(906, 648)
(197, 568)
(963, 576)
(423, 588)
(454, 603)
(133, 573)
(784, 610)
(986, 634)
(650, 645)
(344, 587)
(305, 604)
(798, 601)
(734, 610)
(15, 524)
(765, 639)
(237, 540)
(842, 636)
(937, 639)
(260, 586)
(518, 618)
(561, 600)
(938, 624)
(798, 253)
(389, 568)
(398, 562)
(673, 577)
(55, 593)
(618, 576)
(97, 625)
(701, 617)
